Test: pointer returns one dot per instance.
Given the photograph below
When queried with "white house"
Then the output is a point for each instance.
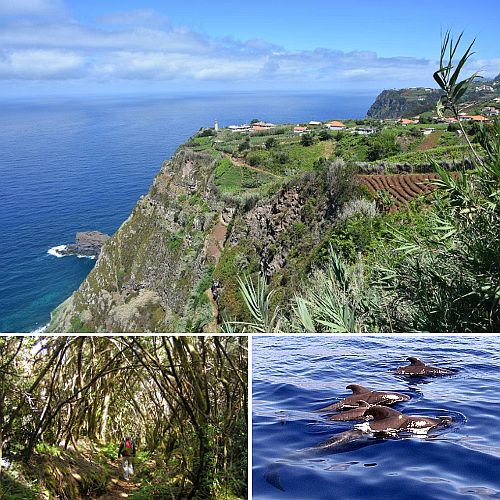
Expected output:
(300, 130)
(428, 131)
(363, 130)
(335, 125)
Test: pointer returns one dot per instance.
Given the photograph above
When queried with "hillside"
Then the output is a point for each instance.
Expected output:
(230, 204)
(403, 103)
(413, 101)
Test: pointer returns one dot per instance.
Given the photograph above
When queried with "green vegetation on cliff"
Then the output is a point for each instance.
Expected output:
(266, 201)
(403, 103)
(409, 102)
(433, 266)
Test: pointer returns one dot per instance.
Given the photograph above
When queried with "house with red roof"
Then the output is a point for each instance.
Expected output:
(335, 125)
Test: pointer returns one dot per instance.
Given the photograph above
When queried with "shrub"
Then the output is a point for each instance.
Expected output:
(271, 143)
(252, 159)
(324, 135)
(307, 140)
(244, 145)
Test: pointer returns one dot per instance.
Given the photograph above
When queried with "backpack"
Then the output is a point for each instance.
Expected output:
(128, 448)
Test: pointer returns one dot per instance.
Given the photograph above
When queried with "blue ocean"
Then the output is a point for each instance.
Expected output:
(294, 376)
(69, 165)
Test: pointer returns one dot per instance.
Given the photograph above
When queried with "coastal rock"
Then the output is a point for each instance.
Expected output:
(403, 102)
(87, 243)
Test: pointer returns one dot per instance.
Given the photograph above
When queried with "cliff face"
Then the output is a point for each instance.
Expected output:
(144, 277)
(403, 103)
(155, 272)
(279, 236)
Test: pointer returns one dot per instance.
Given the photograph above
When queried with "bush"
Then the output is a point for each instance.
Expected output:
(207, 132)
(271, 143)
(425, 117)
(307, 140)
(244, 145)
(324, 135)
(381, 146)
(281, 157)
(252, 159)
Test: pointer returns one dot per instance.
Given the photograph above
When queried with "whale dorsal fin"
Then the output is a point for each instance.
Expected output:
(382, 412)
(357, 389)
(415, 361)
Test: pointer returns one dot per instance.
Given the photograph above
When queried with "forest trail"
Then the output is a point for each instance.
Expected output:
(120, 487)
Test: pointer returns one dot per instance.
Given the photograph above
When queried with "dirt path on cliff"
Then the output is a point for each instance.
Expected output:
(215, 245)
(212, 326)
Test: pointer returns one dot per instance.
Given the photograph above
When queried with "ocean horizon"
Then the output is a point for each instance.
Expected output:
(80, 163)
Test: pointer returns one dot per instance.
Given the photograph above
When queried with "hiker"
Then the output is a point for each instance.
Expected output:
(215, 289)
(127, 452)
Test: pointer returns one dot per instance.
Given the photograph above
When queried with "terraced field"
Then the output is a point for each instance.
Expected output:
(402, 187)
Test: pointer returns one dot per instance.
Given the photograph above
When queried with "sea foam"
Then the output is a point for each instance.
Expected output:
(57, 251)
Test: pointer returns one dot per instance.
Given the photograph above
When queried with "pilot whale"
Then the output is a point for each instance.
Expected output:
(385, 422)
(418, 368)
(360, 393)
(388, 420)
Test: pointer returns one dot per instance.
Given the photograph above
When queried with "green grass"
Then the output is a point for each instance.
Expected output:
(233, 179)
(439, 153)
(202, 143)
(306, 157)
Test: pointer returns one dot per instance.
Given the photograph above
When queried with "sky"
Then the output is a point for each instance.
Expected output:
(152, 46)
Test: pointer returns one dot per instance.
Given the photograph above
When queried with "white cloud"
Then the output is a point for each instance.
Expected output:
(140, 46)
(32, 8)
(76, 36)
(40, 64)
(141, 17)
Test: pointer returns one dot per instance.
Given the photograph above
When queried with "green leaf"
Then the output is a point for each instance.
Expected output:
(462, 61)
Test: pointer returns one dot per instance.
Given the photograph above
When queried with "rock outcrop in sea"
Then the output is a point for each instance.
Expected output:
(87, 244)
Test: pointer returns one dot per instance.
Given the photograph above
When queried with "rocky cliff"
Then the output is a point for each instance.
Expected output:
(403, 103)
(146, 271)
(155, 273)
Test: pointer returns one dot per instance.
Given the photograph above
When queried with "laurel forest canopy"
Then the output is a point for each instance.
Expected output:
(67, 402)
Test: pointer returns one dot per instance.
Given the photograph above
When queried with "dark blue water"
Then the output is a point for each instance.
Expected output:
(68, 165)
(293, 376)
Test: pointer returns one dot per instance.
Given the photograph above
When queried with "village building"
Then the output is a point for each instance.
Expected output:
(490, 111)
(428, 131)
(473, 118)
(263, 125)
(486, 88)
(335, 125)
(407, 121)
(239, 128)
(363, 130)
(300, 130)
(314, 123)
